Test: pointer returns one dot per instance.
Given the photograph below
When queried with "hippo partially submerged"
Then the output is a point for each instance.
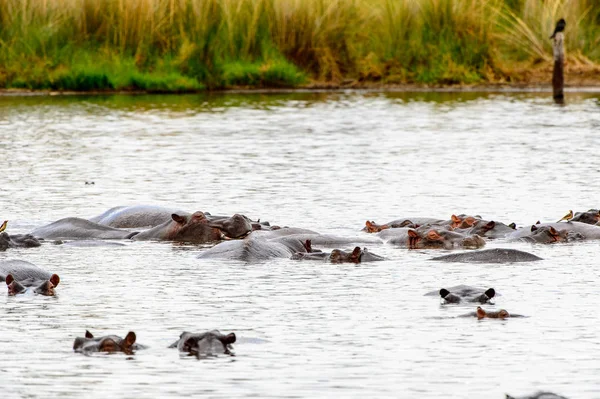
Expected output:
(17, 241)
(194, 228)
(357, 255)
(108, 343)
(210, 343)
(464, 293)
(495, 255)
(21, 276)
(79, 229)
(538, 395)
(480, 313)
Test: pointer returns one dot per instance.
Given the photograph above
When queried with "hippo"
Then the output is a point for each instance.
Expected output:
(591, 216)
(256, 248)
(548, 234)
(437, 238)
(372, 227)
(538, 395)
(237, 226)
(108, 343)
(17, 241)
(570, 231)
(357, 255)
(464, 293)
(22, 276)
(495, 255)
(72, 228)
(194, 228)
(210, 343)
(489, 229)
(136, 216)
(480, 313)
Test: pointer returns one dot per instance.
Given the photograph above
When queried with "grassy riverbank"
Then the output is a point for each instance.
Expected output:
(178, 45)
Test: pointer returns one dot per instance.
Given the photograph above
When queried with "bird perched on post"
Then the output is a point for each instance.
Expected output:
(560, 26)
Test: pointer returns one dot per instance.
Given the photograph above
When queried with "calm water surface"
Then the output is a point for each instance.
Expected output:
(327, 162)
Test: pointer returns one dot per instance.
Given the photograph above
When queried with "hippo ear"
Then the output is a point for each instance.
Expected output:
(513, 226)
(307, 246)
(88, 334)
(538, 222)
(553, 231)
(480, 312)
(54, 279)
(9, 279)
(178, 219)
(533, 227)
(455, 219)
(433, 235)
(370, 226)
(413, 234)
(490, 293)
(129, 339)
(228, 339)
(490, 225)
(444, 292)
(356, 253)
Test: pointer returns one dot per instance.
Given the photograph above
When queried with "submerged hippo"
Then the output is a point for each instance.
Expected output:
(194, 228)
(563, 231)
(136, 216)
(17, 241)
(495, 255)
(464, 293)
(79, 229)
(108, 343)
(489, 229)
(538, 395)
(237, 226)
(357, 255)
(480, 313)
(21, 276)
(437, 238)
(592, 216)
(256, 248)
(210, 343)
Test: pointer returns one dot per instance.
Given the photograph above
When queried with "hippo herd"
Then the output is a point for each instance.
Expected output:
(241, 238)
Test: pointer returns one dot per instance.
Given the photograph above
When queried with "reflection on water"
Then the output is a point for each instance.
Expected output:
(325, 161)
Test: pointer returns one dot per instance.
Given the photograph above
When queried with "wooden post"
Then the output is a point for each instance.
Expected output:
(558, 78)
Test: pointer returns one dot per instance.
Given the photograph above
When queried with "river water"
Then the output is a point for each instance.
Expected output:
(324, 161)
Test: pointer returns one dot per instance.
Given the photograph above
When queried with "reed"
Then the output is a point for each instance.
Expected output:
(179, 45)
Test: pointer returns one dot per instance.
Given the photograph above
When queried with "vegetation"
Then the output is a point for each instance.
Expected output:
(182, 45)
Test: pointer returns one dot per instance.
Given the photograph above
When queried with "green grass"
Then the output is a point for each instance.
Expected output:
(190, 45)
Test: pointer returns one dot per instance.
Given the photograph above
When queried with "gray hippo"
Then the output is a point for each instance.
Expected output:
(357, 255)
(108, 343)
(136, 216)
(256, 248)
(17, 241)
(495, 255)
(437, 239)
(565, 231)
(209, 343)
(236, 226)
(464, 293)
(489, 229)
(591, 216)
(538, 395)
(21, 276)
(72, 228)
(194, 228)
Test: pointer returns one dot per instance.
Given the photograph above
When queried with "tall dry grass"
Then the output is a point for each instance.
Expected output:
(188, 44)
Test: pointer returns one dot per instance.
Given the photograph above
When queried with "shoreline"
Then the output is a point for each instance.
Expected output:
(322, 88)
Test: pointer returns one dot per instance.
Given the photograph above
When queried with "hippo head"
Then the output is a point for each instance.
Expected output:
(462, 221)
(473, 241)
(372, 227)
(546, 234)
(501, 314)
(205, 344)
(237, 226)
(339, 256)
(431, 239)
(449, 297)
(109, 343)
(590, 217)
(404, 223)
(192, 228)
(45, 288)
(486, 296)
